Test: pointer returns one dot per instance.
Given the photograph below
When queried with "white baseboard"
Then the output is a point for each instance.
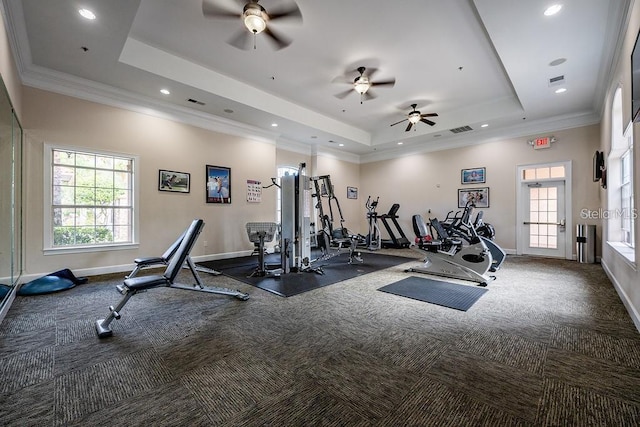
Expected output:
(126, 268)
(635, 316)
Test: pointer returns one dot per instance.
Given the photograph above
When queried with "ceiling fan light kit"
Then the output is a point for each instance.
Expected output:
(414, 117)
(253, 18)
(362, 84)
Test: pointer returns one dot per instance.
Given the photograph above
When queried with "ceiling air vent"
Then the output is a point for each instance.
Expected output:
(195, 101)
(556, 80)
(461, 129)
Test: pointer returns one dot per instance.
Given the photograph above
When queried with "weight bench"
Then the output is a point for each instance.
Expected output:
(146, 262)
(133, 285)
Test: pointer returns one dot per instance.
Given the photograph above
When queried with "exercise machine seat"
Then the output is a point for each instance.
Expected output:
(423, 237)
(146, 282)
(163, 259)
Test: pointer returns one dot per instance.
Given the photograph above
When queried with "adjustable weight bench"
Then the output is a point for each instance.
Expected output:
(133, 285)
(156, 261)
(164, 259)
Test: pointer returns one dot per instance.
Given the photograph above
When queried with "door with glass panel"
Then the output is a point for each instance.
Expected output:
(544, 219)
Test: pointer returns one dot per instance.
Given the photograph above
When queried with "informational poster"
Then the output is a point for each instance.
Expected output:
(254, 191)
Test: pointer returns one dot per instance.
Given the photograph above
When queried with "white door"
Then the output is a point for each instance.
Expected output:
(544, 224)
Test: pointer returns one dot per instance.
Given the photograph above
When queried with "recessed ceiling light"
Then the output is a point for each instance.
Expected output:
(87, 14)
(484, 125)
(228, 110)
(275, 125)
(164, 91)
(561, 90)
(558, 61)
(552, 10)
(400, 143)
(341, 145)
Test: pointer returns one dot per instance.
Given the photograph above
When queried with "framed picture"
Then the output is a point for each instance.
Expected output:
(477, 196)
(352, 192)
(218, 184)
(473, 176)
(176, 182)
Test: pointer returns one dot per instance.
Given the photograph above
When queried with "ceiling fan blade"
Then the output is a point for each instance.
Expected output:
(241, 40)
(389, 82)
(397, 123)
(408, 127)
(368, 95)
(291, 11)
(344, 94)
(429, 122)
(211, 10)
(342, 79)
(369, 72)
(429, 115)
(280, 40)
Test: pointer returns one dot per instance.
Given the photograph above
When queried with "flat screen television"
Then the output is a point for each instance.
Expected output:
(635, 81)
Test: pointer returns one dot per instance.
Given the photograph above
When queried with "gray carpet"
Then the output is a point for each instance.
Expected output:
(550, 344)
(446, 294)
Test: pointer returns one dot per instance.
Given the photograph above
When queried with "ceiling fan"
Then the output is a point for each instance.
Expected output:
(256, 20)
(415, 117)
(363, 83)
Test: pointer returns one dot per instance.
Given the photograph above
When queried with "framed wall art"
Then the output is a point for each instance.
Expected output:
(176, 182)
(352, 192)
(218, 184)
(477, 196)
(473, 176)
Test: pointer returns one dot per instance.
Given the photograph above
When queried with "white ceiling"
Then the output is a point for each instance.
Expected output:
(471, 61)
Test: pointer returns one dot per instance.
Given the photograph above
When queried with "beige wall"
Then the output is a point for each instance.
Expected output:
(430, 181)
(623, 273)
(161, 144)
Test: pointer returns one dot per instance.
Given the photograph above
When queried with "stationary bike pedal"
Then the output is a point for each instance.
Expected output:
(116, 315)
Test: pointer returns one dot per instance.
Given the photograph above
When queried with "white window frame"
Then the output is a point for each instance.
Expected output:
(627, 203)
(621, 143)
(282, 170)
(48, 247)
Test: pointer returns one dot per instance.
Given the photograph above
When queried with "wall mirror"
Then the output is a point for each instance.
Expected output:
(10, 201)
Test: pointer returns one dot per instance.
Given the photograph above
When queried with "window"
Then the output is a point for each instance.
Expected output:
(282, 171)
(89, 200)
(621, 210)
(626, 196)
(546, 172)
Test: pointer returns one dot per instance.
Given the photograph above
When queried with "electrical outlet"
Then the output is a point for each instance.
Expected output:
(205, 243)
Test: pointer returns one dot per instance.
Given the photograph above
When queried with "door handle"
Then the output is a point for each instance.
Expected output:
(561, 223)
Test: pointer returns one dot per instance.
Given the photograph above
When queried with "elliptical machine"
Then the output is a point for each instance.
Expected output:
(447, 257)
(373, 241)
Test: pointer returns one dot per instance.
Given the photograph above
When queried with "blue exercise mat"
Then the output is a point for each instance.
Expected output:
(4, 290)
(54, 282)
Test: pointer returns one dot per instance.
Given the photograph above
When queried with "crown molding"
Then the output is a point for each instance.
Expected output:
(65, 84)
(477, 137)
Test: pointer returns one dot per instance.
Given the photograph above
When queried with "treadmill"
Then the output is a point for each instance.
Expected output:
(399, 241)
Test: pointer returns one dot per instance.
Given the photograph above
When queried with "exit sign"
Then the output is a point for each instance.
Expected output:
(542, 142)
